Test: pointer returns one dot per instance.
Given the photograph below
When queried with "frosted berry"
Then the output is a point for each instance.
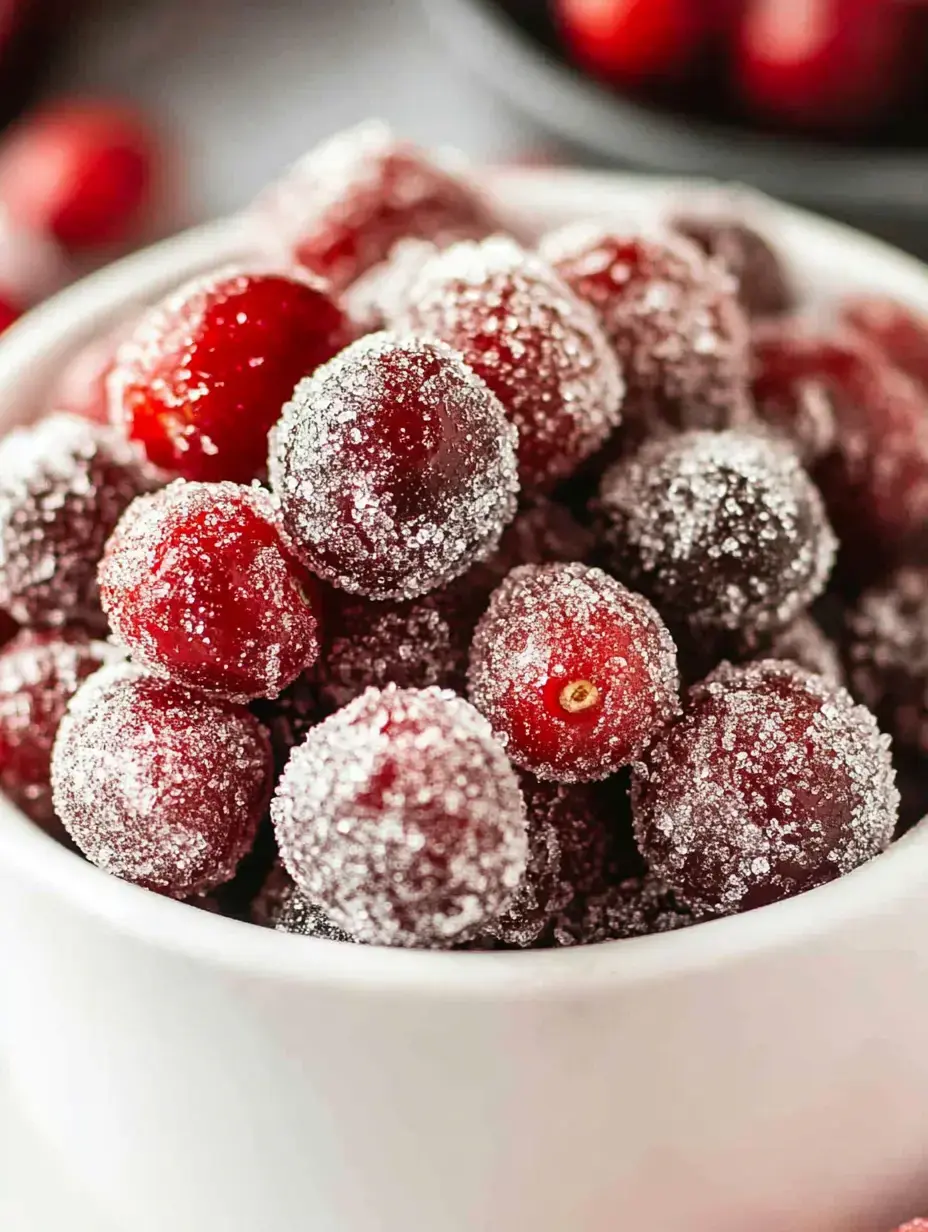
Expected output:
(64, 484)
(289, 716)
(574, 673)
(772, 782)
(401, 817)
(800, 407)
(723, 531)
(673, 317)
(201, 587)
(382, 294)
(540, 349)
(914, 1225)
(540, 894)
(39, 673)
(81, 387)
(636, 907)
(203, 377)
(344, 205)
(158, 785)
(394, 468)
(280, 905)
(899, 332)
(763, 284)
(805, 643)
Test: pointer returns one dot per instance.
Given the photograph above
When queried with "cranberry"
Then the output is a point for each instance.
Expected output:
(158, 785)
(772, 782)
(799, 407)
(899, 332)
(723, 531)
(383, 293)
(631, 42)
(39, 673)
(763, 283)
(574, 672)
(636, 907)
(344, 205)
(539, 348)
(540, 894)
(201, 587)
(673, 317)
(80, 170)
(64, 484)
(204, 376)
(803, 642)
(394, 468)
(81, 388)
(280, 905)
(401, 817)
(289, 716)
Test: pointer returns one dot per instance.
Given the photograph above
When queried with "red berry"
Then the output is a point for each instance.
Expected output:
(636, 907)
(539, 896)
(201, 587)
(9, 313)
(797, 407)
(344, 205)
(803, 642)
(540, 349)
(401, 817)
(81, 387)
(672, 315)
(157, 785)
(574, 672)
(394, 468)
(39, 673)
(383, 293)
(64, 484)
(632, 42)
(80, 170)
(204, 376)
(280, 905)
(763, 283)
(772, 782)
(896, 330)
(289, 716)
(723, 531)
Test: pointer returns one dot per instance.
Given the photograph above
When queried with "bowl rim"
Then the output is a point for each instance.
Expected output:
(27, 853)
(592, 117)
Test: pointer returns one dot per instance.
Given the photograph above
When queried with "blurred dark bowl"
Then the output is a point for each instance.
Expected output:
(508, 43)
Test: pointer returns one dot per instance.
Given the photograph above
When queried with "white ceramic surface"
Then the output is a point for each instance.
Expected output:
(766, 1073)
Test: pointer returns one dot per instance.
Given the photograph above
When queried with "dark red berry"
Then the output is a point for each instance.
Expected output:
(763, 283)
(289, 716)
(804, 642)
(772, 782)
(203, 377)
(632, 42)
(64, 484)
(899, 332)
(200, 585)
(574, 672)
(636, 907)
(158, 785)
(401, 818)
(539, 896)
(539, 348)
(280, 905)
(394, 468)
(9, 312)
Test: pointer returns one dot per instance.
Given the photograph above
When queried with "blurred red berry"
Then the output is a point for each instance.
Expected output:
(632, 41)
(8, 313)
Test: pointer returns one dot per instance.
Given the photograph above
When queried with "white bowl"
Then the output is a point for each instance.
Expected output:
(202, 1075)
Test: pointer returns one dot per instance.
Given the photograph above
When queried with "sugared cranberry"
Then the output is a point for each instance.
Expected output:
(763, 284)
(914, 1225)
(574, 672)
(539, 896)
(39, 673)
(723, 531)
(203, 377)
(280, 905)
(289, 716)
(344, 205)
(401, 817)
(382, 294)
(539, 348)
(629, 42)
(673, 317)
(200, 586)
(899, 332)
(772, 782)
(64, 484)
(805, 643)
(394, 467)
(81, 388)
(636, 907)
(158, 785)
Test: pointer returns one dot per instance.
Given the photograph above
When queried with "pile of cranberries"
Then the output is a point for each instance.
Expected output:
(513, 611)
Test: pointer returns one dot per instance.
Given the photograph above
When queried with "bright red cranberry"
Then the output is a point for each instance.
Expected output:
(204, 376)
(772, 782)
(539, 348)
(39, 673)
(575, 673)
(64, 484)
(158, 785)
(81, 388)
(401, 817)
(635, 907)
(80, 170)
(394, 468)
(899, 332)
(201, 587)
(673, 317)
(383, 293)
(763, 283)
(723, 531)
(343, 206)
(632, 42)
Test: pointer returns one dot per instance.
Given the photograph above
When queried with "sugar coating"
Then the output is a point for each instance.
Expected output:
(672, 315)
(383, 293)
(548, 625)
(157, 785)
(537, 346)
(724, 531)
(64, 482)
(803, 642)
(540, 894)
(280, 905)
(394, 467)
(402, 818)
(636, 907)
(771, 783)
(289, 716)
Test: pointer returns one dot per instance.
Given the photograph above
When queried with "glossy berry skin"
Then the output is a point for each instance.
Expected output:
(575, 673)
(631, 42)
(158, 785)
(896, 330)
(763, 284)
(203, 377)
(39, 673)
(772, 782)
(200, 586)
(80, 170)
